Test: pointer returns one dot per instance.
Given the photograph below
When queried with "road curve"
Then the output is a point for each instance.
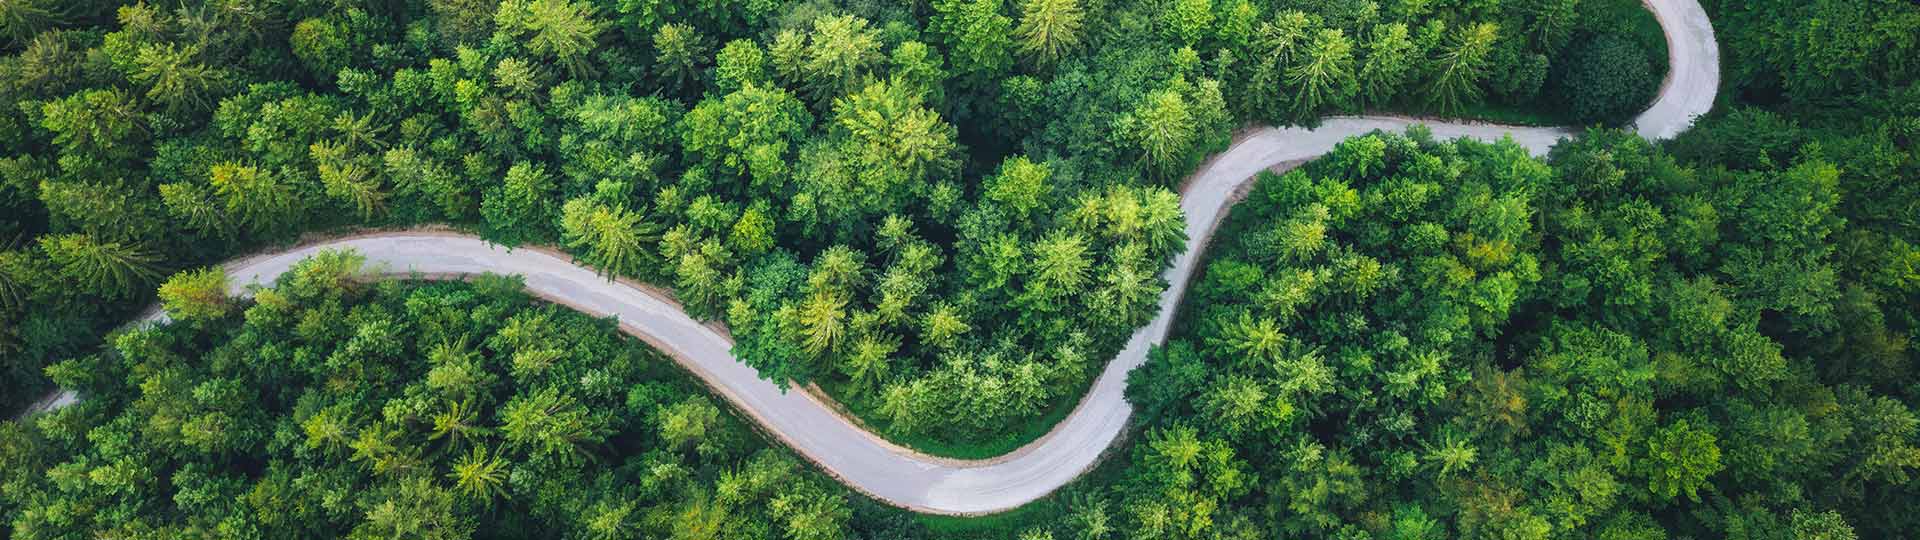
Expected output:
(899, 475)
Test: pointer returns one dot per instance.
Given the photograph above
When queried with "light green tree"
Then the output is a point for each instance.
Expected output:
(823, 319)
(414, 509)
(520, 209)
(691, 424)
(348, 179)
(175, 77)
(841, 55)
(1163, 128)
(1250, 340)
(811, 515)
(1324, 77)
(1186, 21)
(94, 122)
(480, 475)
(1552, 22)
(740, 63)
(196, 294)
(943, 326)
(616, 520)
(563, 30)
(550, 423)
(254, 198)
(1049, 29)
(1389, 57)
(678, 53)
(1460, 66)
(20, 20)
(868, 363)
(1680, 457)
(895, 129)
(615, 240)
(979, 37)
(750, 133)
(1060, 265)
(1022, 185)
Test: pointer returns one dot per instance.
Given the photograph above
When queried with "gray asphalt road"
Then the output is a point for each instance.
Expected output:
(945, 486)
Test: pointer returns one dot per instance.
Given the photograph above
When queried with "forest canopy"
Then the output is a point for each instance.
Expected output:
(946, 214)
(327, 407)
(1410, 338)
(897, 201)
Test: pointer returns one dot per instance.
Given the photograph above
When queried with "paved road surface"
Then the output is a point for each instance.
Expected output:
(945, 486)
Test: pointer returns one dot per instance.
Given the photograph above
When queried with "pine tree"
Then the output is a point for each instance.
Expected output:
(1389, 56)
(103, 269)
(561, 29)
(196, 294)
(1460, 67)
(1325, 75)
(1049, 29)
(614, 238)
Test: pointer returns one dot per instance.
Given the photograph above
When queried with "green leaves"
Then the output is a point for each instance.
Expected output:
(1326, 77)
(1254, 341)
(563, 30)
(751, 134)
(1174, 127)
(740, 63)
(521, 208)
(1451, 454)
(94, 123)
(1022, 185)
(942, 326)
(175, 77)
(22, 19)
(613, 239)
(1680, 457)
(823, 319)
(978, 36)
(1606, 79)
(1163, 128)
(1060, 264)
(811, 515)
(1186, 21)
(694, 424)
(1389, 60)
(112, 270)
(1460, 66)
(679, 53)
(830, 61)
(891, 125)
(348, 181)
(256, 199)
(1049, 29)
(551, 424)
(196, 295)
(479, 475)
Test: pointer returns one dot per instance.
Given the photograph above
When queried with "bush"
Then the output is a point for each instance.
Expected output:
(1605, 80)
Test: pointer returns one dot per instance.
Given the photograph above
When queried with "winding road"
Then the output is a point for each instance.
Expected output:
(899, 475)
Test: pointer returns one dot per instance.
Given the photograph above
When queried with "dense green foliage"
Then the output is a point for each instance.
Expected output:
(1606, 80)
(1820, 57)
(1409, 339)
(947, 213)
(335, 409)
(1707, 341)
(942, 212)
(1398, 341)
